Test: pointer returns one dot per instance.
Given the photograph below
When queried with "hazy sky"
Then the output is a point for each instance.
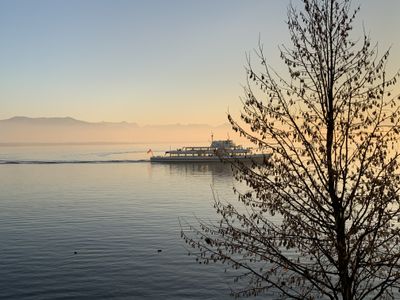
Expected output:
(150, 62)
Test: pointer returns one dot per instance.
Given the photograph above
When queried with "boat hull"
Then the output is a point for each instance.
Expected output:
(258, 158)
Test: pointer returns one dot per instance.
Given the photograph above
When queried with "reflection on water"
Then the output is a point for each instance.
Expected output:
(216, 176)
(95, 231)
(195, 169)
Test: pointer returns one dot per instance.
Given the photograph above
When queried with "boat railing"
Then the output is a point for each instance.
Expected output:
(209, 152)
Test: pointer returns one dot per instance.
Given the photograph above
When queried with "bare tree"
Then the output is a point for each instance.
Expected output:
(321, 216)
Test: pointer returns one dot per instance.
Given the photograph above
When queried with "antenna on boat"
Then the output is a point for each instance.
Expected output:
(228, 136)
(212, 136)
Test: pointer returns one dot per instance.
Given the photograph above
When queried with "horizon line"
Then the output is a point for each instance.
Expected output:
(116, 122)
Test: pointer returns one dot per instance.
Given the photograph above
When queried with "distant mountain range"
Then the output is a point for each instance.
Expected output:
(70, 130)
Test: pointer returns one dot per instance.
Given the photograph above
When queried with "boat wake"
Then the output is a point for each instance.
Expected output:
(105, 154)
(55, 162)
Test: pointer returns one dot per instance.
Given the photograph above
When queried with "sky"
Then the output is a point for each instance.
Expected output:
(148, 62)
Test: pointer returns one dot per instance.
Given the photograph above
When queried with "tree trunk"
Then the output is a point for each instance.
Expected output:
(337, 205)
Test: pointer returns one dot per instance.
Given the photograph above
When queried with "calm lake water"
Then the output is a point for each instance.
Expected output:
(93, 230)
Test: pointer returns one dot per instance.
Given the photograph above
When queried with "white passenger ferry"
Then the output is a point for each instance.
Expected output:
(218, 151)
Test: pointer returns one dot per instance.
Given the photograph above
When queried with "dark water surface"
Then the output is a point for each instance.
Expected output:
(93, 231)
